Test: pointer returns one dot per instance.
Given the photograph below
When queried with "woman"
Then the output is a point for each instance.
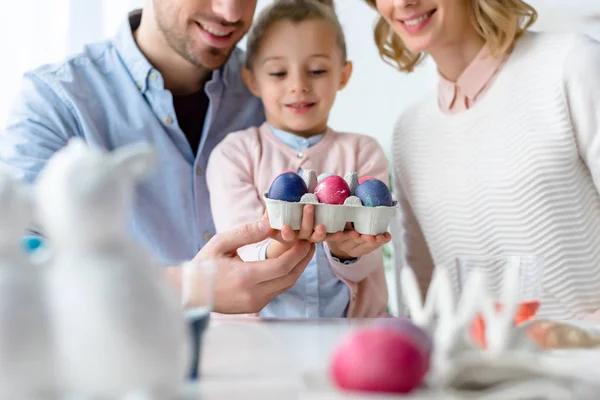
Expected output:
(503, 158)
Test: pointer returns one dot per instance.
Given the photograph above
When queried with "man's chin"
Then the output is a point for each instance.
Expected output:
(211, 59)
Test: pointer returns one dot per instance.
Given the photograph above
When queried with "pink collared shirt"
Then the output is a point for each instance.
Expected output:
(471, 85)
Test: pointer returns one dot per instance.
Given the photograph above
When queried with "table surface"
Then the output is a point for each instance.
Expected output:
(271, 359)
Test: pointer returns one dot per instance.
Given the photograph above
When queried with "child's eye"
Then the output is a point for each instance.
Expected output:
(318, 71)
(277, 74)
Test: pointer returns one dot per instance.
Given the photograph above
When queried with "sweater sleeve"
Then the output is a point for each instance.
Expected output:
(416, 252)
(234, 198)
(582, 95)
(370, 161)
(581, 88)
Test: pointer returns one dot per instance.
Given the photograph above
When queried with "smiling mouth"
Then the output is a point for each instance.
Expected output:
(417, 20)
(217, 33)
(300, 104)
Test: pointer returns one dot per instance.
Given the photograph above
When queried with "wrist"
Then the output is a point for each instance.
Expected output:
(342, 256)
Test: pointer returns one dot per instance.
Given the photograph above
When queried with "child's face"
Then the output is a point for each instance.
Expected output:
(297, 74)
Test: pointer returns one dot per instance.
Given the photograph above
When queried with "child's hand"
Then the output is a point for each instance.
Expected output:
(286, 238)
(350, 244)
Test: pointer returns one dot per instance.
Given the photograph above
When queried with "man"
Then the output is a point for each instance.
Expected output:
(171, 76)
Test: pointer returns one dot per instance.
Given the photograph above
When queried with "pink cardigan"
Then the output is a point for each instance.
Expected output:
(245, 163)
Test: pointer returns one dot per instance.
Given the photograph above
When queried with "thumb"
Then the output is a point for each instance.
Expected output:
(229, 242)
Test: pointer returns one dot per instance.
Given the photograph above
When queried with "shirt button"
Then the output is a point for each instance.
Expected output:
(168, 120)
(153, 76)
(208, 236)
(353, 296)
(139, 85)
(300, 155)
(198, 171)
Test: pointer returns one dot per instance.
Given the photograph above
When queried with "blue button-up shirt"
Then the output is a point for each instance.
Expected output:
(318, 293)
(112, 96)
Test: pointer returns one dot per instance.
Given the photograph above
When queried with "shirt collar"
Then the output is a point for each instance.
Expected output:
(473, 79)
(138, 65)
(294, 141)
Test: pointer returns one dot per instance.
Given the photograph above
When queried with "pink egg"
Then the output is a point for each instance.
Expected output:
(364, 179)
(376, 359)
(332, 190)
(419, 336)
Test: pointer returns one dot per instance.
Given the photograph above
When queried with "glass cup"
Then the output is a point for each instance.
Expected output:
(530, 285)
(197, 287)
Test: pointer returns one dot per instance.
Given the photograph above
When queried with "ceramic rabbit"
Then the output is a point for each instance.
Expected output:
(120, 328)
(26, 350)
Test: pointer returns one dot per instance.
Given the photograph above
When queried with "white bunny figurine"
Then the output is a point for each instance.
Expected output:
(120, 328)
(26, 351)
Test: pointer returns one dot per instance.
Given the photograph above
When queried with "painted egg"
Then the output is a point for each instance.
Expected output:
(364, 179)
(323, 176)
(378, 359)
(374, 193)
(332, 190)
(288, 186)
(419, 335)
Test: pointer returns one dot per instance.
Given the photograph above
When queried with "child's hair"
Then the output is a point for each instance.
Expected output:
(500, 23)
(295, 11)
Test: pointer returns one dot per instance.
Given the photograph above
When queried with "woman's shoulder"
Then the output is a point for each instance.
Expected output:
(571, 53)
(556, 46)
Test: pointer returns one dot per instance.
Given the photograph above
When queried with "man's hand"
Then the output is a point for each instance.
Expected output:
(246, 287)
(286, 238)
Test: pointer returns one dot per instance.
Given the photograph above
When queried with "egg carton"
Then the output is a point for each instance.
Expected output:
(366, 220)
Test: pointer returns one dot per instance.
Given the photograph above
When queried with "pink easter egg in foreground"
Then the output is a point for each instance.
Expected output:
(420, 336)
(364, 179)
(378, 359)
(332, 190)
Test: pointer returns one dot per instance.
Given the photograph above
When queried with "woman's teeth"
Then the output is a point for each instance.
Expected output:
(418, 20)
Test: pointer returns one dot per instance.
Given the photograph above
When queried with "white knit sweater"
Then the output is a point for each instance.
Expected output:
(519, 173)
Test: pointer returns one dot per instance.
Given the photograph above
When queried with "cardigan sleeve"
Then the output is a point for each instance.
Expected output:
(234, 198)
(581, 89)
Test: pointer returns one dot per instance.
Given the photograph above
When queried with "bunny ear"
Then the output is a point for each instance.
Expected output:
(76, 143)
(138, 160)
(445, 294)
(511, 287)
(471, 297)
(499, 323)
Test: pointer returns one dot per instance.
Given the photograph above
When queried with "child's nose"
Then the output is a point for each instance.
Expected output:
(299, 84)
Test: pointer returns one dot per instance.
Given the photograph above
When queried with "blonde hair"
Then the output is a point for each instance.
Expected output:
(500, 23)
(296, 11)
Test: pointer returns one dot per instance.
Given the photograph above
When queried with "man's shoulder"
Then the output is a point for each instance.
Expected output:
(86, 67)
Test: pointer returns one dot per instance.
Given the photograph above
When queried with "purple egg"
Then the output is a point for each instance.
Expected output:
(374, 193)
(418, 334)
(289, 187)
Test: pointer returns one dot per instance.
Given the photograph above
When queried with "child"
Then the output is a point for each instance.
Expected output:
(296, 62)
